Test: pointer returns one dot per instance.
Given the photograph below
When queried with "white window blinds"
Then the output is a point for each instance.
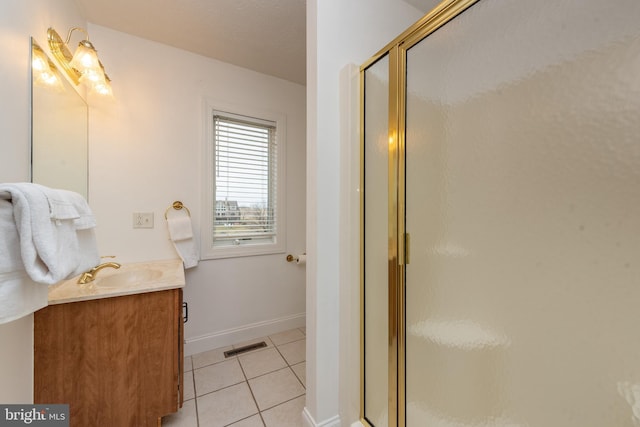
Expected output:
(245, 168)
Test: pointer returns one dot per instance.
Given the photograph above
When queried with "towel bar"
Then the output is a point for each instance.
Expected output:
(177, 205)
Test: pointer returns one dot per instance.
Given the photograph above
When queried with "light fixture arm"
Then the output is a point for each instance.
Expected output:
(74, 29)
(85, 42)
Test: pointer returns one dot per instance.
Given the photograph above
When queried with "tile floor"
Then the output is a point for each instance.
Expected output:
(260, 388)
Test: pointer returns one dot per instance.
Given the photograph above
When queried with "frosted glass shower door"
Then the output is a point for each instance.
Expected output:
(376, 244)
(523, 207)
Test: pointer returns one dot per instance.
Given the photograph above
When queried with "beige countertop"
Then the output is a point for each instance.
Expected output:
(129, 279)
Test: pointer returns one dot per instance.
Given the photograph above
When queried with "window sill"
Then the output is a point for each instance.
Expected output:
(239, 251)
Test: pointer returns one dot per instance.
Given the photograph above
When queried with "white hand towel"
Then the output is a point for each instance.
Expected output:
(180, 228)
(181, 234)
(65, 204)
(55, 229)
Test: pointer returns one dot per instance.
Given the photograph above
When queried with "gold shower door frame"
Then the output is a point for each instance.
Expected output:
(398, 248)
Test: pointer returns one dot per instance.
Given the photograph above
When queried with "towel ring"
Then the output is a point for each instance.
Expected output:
(177, 205)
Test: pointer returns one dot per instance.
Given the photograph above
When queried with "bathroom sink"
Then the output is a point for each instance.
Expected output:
(127, 278)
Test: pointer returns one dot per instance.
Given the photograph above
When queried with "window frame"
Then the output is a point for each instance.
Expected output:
(207, 248)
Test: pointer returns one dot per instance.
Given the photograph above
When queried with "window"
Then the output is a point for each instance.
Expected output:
(245, 195)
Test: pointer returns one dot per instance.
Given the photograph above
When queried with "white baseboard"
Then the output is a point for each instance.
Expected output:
(242, 333)
(308, 421)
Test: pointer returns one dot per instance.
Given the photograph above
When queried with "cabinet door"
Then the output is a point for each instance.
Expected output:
(180, 335)
(115, 361)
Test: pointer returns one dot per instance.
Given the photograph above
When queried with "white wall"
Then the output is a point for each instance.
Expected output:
(146, 151)
(19, 20)
(338, 33)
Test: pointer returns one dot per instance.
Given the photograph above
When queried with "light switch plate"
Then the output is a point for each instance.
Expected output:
(143, 220)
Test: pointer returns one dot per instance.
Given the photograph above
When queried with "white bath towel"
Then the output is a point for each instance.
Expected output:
(19, 295)
(55, 228)
(181, 234)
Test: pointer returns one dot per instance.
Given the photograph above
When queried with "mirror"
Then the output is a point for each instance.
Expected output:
(59, 128)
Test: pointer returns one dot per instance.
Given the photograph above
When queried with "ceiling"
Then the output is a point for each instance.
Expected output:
(264, 36)
(424, 6)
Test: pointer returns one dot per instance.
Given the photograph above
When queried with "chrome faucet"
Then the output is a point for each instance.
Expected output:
(90, 276)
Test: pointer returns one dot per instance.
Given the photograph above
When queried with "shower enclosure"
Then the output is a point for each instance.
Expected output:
(501, 218)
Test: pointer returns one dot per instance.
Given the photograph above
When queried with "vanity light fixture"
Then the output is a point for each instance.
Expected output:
(83, 67)
(42, 69)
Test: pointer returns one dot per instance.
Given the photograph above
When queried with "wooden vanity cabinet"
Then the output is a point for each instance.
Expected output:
(116, 361)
